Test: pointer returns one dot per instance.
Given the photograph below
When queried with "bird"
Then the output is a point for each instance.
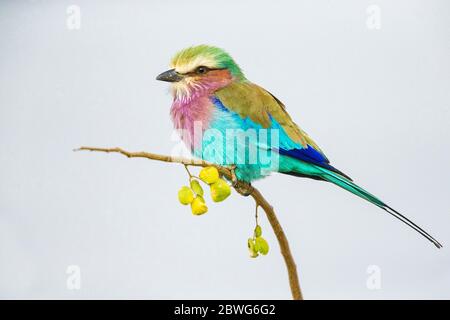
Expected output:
(226, 119)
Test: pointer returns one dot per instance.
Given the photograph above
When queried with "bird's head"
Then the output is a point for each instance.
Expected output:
(200, 69)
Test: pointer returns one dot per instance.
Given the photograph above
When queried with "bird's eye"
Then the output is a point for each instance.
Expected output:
(201, 70)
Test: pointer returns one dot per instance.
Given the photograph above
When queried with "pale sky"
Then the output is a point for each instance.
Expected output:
(374, 94)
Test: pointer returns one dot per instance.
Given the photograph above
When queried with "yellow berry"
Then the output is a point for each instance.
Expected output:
(185, 195)
(209, 175)
(251, 248)
(220, 190)
(258, 231)
(195, 185)
(261, 245)
(198, 206)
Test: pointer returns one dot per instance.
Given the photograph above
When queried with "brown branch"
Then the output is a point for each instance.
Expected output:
(242, 188)
(282, 241)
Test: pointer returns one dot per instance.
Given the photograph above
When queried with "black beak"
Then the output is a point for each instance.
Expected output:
(169, 76)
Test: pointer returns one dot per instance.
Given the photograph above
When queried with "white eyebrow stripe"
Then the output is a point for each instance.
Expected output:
(194, 63)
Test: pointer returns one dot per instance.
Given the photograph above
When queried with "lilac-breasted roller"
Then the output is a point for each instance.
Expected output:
(228, 120)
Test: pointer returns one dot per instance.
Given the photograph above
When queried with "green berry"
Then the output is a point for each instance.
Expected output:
(198, 206)
(258, 231)
(185, 195)
(261, 245)
(195, 185)
(251, 248)
(209, 175)
(220, 190)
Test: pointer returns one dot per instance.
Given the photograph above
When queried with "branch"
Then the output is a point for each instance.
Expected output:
(242, 188)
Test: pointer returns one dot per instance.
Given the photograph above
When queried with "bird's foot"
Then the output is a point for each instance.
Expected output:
(242, 187)
(234, 179)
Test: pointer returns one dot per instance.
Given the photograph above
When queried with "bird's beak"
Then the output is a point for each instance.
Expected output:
(169, 76)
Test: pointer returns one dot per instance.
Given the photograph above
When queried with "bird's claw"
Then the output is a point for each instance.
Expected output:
(242, 187)
(234, 179)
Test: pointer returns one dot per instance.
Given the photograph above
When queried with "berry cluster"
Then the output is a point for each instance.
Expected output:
(219, 190)
(257, 244)
(193, 195)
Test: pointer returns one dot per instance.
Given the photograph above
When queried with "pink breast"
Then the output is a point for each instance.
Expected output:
(191, 117)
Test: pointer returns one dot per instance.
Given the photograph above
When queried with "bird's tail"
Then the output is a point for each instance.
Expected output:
(357, 190)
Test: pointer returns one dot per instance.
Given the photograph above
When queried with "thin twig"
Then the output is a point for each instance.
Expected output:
(241, 187)
(282, 241)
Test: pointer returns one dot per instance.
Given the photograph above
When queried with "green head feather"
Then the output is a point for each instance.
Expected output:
(188, 59)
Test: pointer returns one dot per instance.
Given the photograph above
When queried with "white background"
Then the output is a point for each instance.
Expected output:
(377, 102)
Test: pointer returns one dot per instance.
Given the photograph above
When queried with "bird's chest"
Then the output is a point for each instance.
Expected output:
(191, 117)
